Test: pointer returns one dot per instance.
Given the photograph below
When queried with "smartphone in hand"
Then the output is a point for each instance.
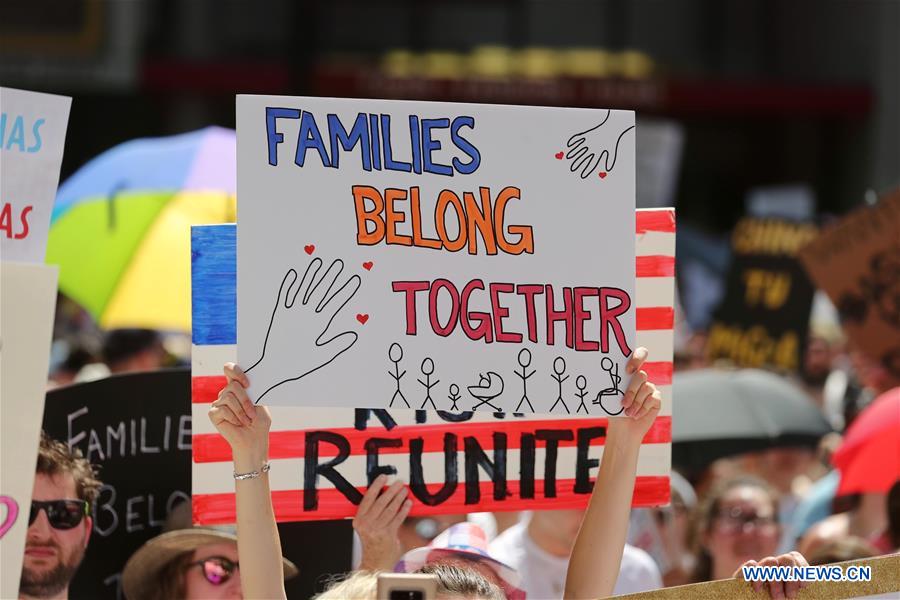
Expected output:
(406, 586)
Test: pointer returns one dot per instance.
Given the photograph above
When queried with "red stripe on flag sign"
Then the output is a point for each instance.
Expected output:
(654, 220)
(211, 447)
(659, 373)
(657, 265)
(213, 509)
(205, 389)
(655, 317)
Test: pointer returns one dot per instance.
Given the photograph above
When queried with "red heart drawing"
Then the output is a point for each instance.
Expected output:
(368, 265)
(559, 155)
(309, 248)
(362, 318)
(603, 174)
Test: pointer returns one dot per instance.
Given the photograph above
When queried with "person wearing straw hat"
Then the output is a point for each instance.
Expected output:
(190, 563)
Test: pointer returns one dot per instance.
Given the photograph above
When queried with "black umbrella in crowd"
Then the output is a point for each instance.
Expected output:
(723, 413)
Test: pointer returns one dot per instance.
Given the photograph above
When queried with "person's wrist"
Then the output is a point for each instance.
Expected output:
(620, 434)
(250, 459)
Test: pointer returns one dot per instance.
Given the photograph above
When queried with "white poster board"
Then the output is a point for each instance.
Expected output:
(27, 300)
(32, 135)
(402, 254)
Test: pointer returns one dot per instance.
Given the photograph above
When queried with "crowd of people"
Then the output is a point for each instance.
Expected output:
(778, 506)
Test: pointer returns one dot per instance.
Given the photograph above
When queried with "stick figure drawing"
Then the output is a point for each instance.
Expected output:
(395, 353)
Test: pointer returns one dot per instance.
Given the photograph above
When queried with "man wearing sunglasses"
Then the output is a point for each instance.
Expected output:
(59, 524)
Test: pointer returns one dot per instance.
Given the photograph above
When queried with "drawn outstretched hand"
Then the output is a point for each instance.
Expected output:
(595, 150)
(302, 317)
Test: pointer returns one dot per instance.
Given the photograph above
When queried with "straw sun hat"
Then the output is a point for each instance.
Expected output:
(142, 569)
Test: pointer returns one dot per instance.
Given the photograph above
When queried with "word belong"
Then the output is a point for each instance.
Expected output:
(378, 217)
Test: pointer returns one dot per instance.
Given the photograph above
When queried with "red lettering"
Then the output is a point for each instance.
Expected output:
(529, 291)
(582, 315)
(501, 312)
(24, 218)
(483, 330)
(566, 316)
(436, 287)
(494, 325)
(609, 317)
(6, 220)
(410, 288)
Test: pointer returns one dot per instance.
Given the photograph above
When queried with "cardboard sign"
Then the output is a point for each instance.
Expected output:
(857, 263)
(455, 461)
(27, 299)
(837, 583)
(32, 135)
(150, 433)
(395, 254)
(763, 318)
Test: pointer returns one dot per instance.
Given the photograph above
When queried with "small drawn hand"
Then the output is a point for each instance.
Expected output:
(595, 150)
(303, 314)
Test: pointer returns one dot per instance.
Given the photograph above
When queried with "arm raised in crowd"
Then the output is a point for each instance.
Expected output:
(382, 511)
(246, 428)
(597, 554)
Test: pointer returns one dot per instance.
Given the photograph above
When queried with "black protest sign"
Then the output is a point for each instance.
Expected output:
(137, 429)
(763, 318)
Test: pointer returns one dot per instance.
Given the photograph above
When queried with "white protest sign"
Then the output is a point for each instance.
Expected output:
(27, 299)
(32, 135)
(435, 255)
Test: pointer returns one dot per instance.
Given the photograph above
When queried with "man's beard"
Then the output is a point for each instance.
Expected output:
(49, 583)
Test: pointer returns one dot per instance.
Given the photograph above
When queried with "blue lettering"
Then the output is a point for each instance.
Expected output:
(429, 145)
(370, 135)
(274, 137)
(374, 131)
(36, 130)
(389, 162)
(415, 143)
(464, 145)
(310, 138)
(358, 135)
(17, 136)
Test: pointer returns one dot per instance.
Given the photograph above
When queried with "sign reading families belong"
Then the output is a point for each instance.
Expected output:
(32, 135)
(435, 255)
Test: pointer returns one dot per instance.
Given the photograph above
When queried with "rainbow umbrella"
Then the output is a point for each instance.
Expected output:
(120, 229)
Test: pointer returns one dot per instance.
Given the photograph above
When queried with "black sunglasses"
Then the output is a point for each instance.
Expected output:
(216, 569)
(62, 514)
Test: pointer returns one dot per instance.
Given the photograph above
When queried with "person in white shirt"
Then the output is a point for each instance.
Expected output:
(539, 548)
